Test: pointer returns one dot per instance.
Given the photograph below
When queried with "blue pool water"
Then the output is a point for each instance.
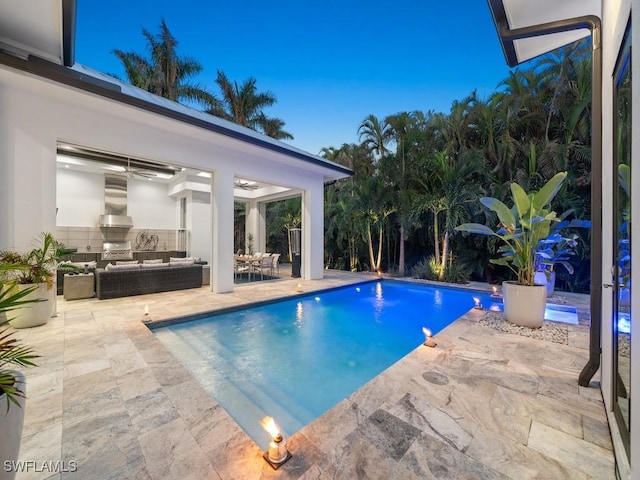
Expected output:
(295, 359)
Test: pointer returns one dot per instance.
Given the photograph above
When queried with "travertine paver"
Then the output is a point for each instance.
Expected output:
(109, 398)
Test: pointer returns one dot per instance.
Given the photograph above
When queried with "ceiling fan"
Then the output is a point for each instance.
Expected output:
(245, 184)
(132, 172)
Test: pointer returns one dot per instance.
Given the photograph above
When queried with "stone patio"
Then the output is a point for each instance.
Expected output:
(110, 402)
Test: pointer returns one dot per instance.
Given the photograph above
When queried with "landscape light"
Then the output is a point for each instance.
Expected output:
(428, 338)
(277, 453)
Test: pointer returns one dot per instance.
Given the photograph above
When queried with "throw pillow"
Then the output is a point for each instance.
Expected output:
(127, 262)
(154, 265)
(155, 260)
(125, 267)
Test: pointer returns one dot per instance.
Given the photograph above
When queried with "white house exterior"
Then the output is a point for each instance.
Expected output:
(44, 103)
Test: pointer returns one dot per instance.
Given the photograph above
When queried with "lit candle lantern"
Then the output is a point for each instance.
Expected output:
(146, 309)
(428, 338)
(476, 303)
(277, 452)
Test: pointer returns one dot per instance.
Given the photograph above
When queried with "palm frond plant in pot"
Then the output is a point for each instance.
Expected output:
(12, 353)
(521, 229)
(35, 268)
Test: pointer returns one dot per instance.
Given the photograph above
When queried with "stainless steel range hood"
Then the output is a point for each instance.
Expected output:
(115, 203)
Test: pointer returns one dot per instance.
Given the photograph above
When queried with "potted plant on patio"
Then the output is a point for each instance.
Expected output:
(35, 268)
(12, 383)
(521, 229)
(557, 249)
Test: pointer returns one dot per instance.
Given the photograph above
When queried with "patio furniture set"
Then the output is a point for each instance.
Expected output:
(259, 263)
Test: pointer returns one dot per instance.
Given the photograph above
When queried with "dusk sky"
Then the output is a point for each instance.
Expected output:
(329, 63)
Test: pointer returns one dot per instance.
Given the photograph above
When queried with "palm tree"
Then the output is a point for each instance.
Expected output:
(164, 73)
(400, 124)
(375, 135)
(373, 207)
(273, 127)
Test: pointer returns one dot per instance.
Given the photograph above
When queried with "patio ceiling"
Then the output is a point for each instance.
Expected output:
(509, 15)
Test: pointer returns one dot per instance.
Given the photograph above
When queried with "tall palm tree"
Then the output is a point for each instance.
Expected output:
(164, 73)
(241, 103)
(375, 135)
(400, 124)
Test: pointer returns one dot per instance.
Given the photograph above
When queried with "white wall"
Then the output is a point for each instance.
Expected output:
(80, 201)
(79, 198)
(150, 206)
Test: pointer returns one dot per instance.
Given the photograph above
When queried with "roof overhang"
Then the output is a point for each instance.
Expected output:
(528, 29)
(45, 29)
(38, 38)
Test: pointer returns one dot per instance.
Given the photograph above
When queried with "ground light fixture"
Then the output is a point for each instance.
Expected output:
(146, 309)
(428, 338)
(277, 453)
(476, 303)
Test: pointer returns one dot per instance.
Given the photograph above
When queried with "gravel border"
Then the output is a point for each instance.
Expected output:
(550, 331)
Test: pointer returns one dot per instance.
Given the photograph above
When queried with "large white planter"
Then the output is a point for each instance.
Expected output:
(524, 305)
(37, 313)
(11, 423)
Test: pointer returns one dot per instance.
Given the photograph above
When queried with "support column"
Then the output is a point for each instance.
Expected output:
(256, 225)
(313, 232)
(222, 231)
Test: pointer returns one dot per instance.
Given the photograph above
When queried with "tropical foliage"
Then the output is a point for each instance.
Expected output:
(12, 352)
(417, 174)
(433, 167)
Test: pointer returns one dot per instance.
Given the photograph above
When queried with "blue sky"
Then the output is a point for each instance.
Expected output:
(329, 63)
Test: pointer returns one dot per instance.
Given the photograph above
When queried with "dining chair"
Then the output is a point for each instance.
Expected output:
(275, 266)
(240, 268)
(265, 263)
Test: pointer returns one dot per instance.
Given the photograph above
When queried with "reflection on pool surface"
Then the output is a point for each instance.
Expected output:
(295, 359)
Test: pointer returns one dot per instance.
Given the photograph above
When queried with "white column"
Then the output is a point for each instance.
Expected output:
(252, 226)
(313, 232)
(256, 225)
(222, 231)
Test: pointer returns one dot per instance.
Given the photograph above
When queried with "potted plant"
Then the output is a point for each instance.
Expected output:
(12, 383)
(557, 249)
(521, 229)
(35, 268)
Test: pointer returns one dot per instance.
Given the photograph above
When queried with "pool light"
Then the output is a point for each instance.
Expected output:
(428, 338)
(476, 303)
(277, 454)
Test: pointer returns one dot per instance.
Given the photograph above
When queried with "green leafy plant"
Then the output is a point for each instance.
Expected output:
(11, 351)
(558, 247)
(38, 264)
(522, 227)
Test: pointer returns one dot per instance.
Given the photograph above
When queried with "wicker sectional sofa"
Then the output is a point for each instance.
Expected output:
(147, 279)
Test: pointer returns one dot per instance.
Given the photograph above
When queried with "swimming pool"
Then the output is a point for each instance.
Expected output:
(295, 359)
